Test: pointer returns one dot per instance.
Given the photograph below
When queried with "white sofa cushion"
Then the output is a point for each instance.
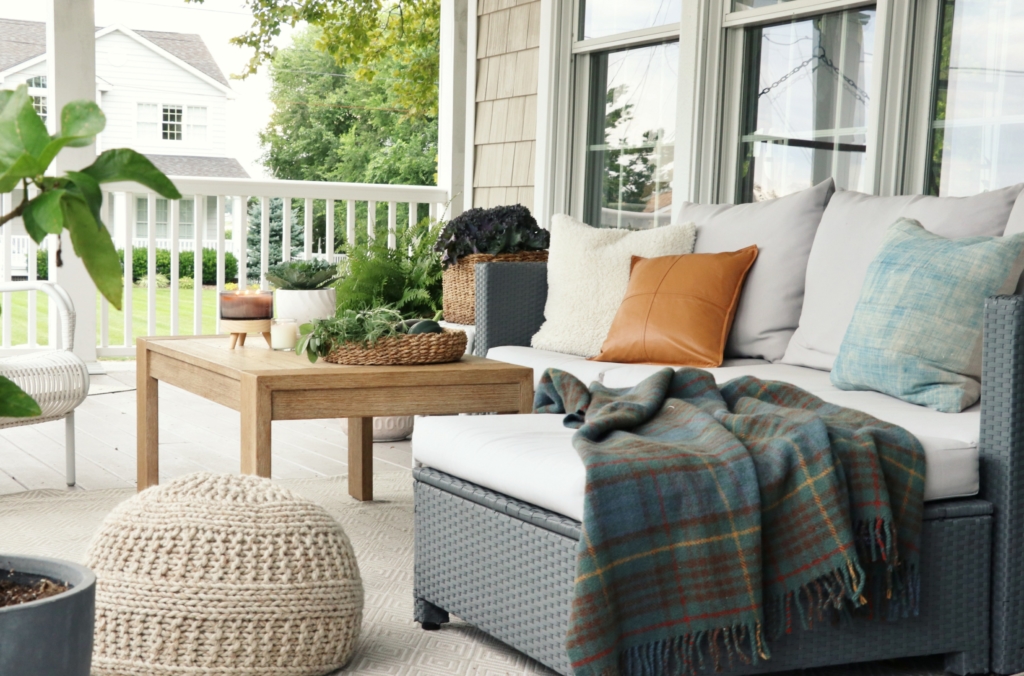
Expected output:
(848, 238)
(588, 272)
(783, 230)
(531, 457)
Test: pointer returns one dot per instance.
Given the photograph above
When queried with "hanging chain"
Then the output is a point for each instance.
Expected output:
(821, 56)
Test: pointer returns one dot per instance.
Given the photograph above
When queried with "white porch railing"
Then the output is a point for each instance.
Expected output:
(171, 315)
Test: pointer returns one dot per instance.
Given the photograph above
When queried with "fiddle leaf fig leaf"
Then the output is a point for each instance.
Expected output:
(123, 164)
(44, 215)
(94, 246)
(15, 403)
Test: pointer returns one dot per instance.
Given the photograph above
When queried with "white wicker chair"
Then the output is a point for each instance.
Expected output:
(57, 379)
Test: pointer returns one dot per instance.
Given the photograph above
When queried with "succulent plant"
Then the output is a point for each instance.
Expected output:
(303, 275)
(507, 229)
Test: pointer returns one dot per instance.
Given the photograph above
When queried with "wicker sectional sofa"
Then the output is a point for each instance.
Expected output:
(504, 559)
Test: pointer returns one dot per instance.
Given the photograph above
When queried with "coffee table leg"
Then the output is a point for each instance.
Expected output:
(360, 458)
(147, 423)
(256, 412)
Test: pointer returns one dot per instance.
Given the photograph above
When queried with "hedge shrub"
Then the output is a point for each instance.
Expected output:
(186, 264)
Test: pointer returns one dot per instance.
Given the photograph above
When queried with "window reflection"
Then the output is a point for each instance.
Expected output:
(631, 137)
(740, 5)
(806, 103)
(978, 127)
(608, 17)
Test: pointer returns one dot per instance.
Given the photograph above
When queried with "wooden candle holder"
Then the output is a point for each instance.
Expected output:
(240, 328)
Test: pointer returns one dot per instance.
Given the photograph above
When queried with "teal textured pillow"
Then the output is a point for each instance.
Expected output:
(916, 331)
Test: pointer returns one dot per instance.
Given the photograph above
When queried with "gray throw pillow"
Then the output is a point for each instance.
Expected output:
(783, 230)
(848, 239)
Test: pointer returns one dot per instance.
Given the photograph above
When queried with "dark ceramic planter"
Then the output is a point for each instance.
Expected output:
(51, 637)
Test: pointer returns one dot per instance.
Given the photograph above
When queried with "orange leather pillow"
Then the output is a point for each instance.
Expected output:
(678, 309)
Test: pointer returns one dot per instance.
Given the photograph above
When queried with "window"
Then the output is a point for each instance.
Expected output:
(147, 123)
(806, 100)
(186, 219)
(37, 90)
(39, 105)
(37, 82)
(601, 18)
(631, 137)
(977, 136)
(211, 218)
(142, 218)
(196, 124)
(171, 127)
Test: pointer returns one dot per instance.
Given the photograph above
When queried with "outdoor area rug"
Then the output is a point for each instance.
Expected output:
(61, 524)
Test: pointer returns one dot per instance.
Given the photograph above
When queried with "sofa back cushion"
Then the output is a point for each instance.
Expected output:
(850, 234)
(678, 309)
(783, 231)
(916, 331)
(588, 272)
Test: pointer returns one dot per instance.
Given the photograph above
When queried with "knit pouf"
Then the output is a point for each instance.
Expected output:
(229, 575)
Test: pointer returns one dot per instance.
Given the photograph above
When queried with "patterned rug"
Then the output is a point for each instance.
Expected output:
(60, 524)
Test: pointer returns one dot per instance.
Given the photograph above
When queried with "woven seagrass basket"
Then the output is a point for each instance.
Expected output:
(459, 282)
(404, 350)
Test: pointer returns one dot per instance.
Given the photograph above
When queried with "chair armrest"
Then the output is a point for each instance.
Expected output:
(61, 301)
(510, 300)
(1001, 451)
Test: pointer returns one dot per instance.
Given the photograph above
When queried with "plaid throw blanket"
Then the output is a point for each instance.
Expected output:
(715, 519)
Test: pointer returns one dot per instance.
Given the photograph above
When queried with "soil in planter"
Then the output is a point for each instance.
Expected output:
(29, 588)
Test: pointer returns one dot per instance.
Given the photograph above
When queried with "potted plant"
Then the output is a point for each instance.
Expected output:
(302, 289)
(506, 233)
(46, 622)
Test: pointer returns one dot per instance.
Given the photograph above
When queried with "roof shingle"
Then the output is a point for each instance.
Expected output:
(189, 165)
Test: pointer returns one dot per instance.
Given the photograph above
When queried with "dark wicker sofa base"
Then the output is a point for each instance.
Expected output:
(508, 567)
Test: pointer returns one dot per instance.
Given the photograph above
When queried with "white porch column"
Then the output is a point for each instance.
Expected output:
(71, 64)
(451, 118)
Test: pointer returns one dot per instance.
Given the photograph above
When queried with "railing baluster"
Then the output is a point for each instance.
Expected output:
(151, 264)
(108, 202)
(129, 231)
(413, 213)
(392, 225)
(371, 220)
(307, 230)
(8, 206)
(220, 254)
(175, 216)
(433, 212)
(198, 233)
(286, 228)
(242, 247)
(264, 241)
(350, 224)
(33, 275)
(329, 231)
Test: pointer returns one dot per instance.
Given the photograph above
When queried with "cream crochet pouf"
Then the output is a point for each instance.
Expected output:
(227, 575)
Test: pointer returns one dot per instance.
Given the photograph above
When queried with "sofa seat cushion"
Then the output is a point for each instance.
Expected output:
(531, 457)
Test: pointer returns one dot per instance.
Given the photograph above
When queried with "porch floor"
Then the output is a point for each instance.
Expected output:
(195, 435)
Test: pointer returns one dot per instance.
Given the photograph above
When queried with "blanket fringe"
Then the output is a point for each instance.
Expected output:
(694, 653)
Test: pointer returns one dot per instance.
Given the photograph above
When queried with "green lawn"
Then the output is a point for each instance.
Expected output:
(186, 303)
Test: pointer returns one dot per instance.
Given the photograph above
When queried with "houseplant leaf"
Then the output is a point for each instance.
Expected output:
(94, 246)
(86, 186)
(14, 403)
(22, 132)
(124, 164)
(80, 121)
(43, 215)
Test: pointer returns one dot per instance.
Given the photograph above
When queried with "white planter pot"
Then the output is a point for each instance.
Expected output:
(388, 428)
(304, 306)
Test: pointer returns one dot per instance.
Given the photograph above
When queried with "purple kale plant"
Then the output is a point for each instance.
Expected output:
(506, 229)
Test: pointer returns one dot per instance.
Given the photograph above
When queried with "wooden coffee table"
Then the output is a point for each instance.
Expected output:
(263, 385)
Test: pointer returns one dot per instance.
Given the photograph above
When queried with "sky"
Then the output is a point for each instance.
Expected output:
(217, 21)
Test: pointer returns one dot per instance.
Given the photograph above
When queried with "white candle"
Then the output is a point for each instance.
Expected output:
(284, 333)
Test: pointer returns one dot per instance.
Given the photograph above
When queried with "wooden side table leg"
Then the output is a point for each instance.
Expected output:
(147, 422)
(256, 414)
(360, 458)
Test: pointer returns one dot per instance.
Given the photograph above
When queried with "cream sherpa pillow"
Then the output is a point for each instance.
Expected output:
(588, 271)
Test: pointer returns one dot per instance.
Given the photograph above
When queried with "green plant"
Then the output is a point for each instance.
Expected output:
(407, 277)
(303, 275)
(186, 265)
(348, 326)
(507, 229)
(70, 202)
(42, 264)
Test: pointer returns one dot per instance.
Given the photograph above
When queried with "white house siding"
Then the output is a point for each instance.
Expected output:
(137, 75)
(508, 39)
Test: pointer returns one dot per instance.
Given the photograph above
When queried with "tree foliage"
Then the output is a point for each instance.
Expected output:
(395, 38)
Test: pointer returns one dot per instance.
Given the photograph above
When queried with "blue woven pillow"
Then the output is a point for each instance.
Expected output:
(916, 331)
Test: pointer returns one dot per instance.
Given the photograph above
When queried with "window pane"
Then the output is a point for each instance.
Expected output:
(196, 124)
(146, 115)
(39, 81)
(161, 218)
(141, 217)
(211, 218)
(631, 137)
(186, 219)
(806, 104)
(171, 123)
(608, 17)
(740, 5)
(978, 127)
(39, 105)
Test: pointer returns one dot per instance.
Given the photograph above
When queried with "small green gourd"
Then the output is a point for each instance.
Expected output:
(425, 326)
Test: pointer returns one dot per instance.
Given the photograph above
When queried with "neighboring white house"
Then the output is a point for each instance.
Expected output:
(163, 95)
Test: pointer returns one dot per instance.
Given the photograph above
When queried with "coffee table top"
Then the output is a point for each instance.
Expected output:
(213, 353)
